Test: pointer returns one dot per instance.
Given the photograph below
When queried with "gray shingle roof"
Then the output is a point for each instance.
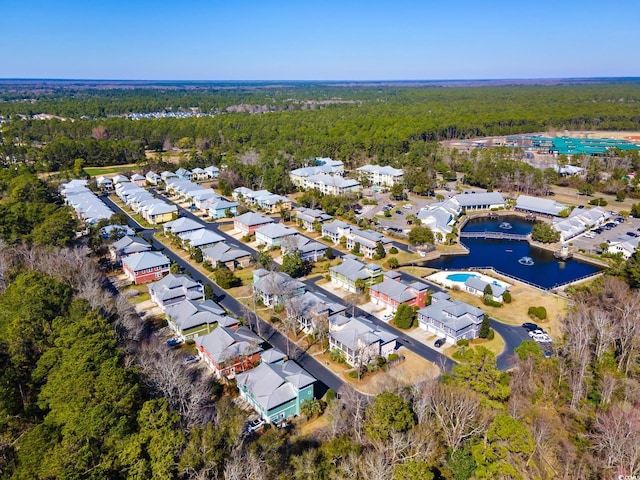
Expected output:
(224, 344)
(251, 219)
(140, 261)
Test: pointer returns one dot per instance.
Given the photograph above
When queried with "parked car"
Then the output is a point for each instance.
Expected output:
(439, 342)
(255, 425)
(408, 206)
(191, 359)
(387, 316)
(530, 326)
(632, 234)
(174, 342)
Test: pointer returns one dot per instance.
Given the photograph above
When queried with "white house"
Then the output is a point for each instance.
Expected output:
(382, 176)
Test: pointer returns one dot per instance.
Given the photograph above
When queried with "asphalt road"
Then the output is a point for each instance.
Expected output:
(265, 330)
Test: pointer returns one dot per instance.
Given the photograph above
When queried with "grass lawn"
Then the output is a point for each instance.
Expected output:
(321, 267)
(496, 346)
(143, 297)
(95, 171)
(516, 312)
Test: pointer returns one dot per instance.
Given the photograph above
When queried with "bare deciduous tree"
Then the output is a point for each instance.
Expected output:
(615, 440)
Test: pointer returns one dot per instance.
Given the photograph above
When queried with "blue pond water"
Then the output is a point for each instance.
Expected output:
(546, 272)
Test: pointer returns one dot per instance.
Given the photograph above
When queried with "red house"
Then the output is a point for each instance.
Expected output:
(391, 292)
(146, 267)
(227, 351)
(249, 222)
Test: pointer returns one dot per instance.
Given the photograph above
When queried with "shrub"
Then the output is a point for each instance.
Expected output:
(598, 202)
(393, 356)
(491, 303)
(506, 297)
(393, 250)
(393, 263)
(353, 374)
(274, 319)
(539, 312)
(463, 342)
(330, 395)
(491, 335)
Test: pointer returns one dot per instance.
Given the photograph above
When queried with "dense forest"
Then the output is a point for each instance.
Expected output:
(88, 391)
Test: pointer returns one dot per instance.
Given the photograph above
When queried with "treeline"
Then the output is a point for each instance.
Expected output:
(383, 125)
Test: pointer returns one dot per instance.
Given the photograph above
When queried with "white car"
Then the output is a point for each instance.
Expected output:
(408, 206)
(387, 316)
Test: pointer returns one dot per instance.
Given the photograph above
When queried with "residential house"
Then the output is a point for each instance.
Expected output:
(274, 288)
(200, 197)
(274, 234)
(310, 250)
(189, 318)
(201, 239)
(440, 217)
(152, 178)
(167, 176)
(212, 172)
(221, 208)
(381, 176)
(542, 206)
(453, 320)
(353, 275)
(241, 194)
(116, 232)
(392, 292)
(159, 212)
(624, 245)
(181, 225)
(309, 218)
(276, 390)
(360, 340)
(120, 179)
(476, 286)
(273, 203)
(311, 311)
(88, 207)
(183, 173)
(199, 174)
(138, 179)
(367, 240)
(229, 351)
(249, 222)
(127, 246)
(104, 183)
(273, 355)
(336, 166)
(145, 267)
(174, 289)
(223, 254)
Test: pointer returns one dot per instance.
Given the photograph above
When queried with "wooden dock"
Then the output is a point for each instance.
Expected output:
(494, 235)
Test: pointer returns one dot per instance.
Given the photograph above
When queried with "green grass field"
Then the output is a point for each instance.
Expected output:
(95, 171)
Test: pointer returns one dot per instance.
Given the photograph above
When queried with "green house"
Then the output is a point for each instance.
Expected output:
(276, 391)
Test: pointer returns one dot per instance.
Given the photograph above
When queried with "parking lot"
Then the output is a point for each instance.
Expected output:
(606, 234)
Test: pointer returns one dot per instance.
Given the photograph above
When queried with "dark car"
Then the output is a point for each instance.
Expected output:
(174, 342)
(191, 359)
(632, 234)
(439, 342)
(530, 326)
(598, 230)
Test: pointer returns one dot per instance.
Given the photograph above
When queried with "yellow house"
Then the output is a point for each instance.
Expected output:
(158, 213)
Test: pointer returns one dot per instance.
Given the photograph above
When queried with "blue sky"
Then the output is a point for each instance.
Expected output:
(327, 40)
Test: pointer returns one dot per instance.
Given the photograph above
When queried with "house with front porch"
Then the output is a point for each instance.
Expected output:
(104, 183)
(184, 173)
(310, 250)
(229, 351)
(453, 320)
(367, 240)
(212, 172)
(359, 340)
(221, 208)
(309, 218)
(138, 180)
(311, 311)
(159, 212)
(276, 390)
(624, 246)
(392, 292)
(274, 234)
(249, 222)
(174, 289)
(152, 178)
(353, 275)
(384, 176)
(202, 238)
(189, 318)
(126, 246)
(274, 288)
(476, 286)
(222, 254)
(145, 267)
(181, 226)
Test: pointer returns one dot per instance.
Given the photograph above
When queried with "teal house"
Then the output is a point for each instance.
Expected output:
(276, 390)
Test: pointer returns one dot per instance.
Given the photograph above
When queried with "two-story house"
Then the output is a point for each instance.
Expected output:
(453, 320)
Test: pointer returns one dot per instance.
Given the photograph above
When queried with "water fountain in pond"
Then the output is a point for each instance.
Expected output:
(506, 226)
(528, 261)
